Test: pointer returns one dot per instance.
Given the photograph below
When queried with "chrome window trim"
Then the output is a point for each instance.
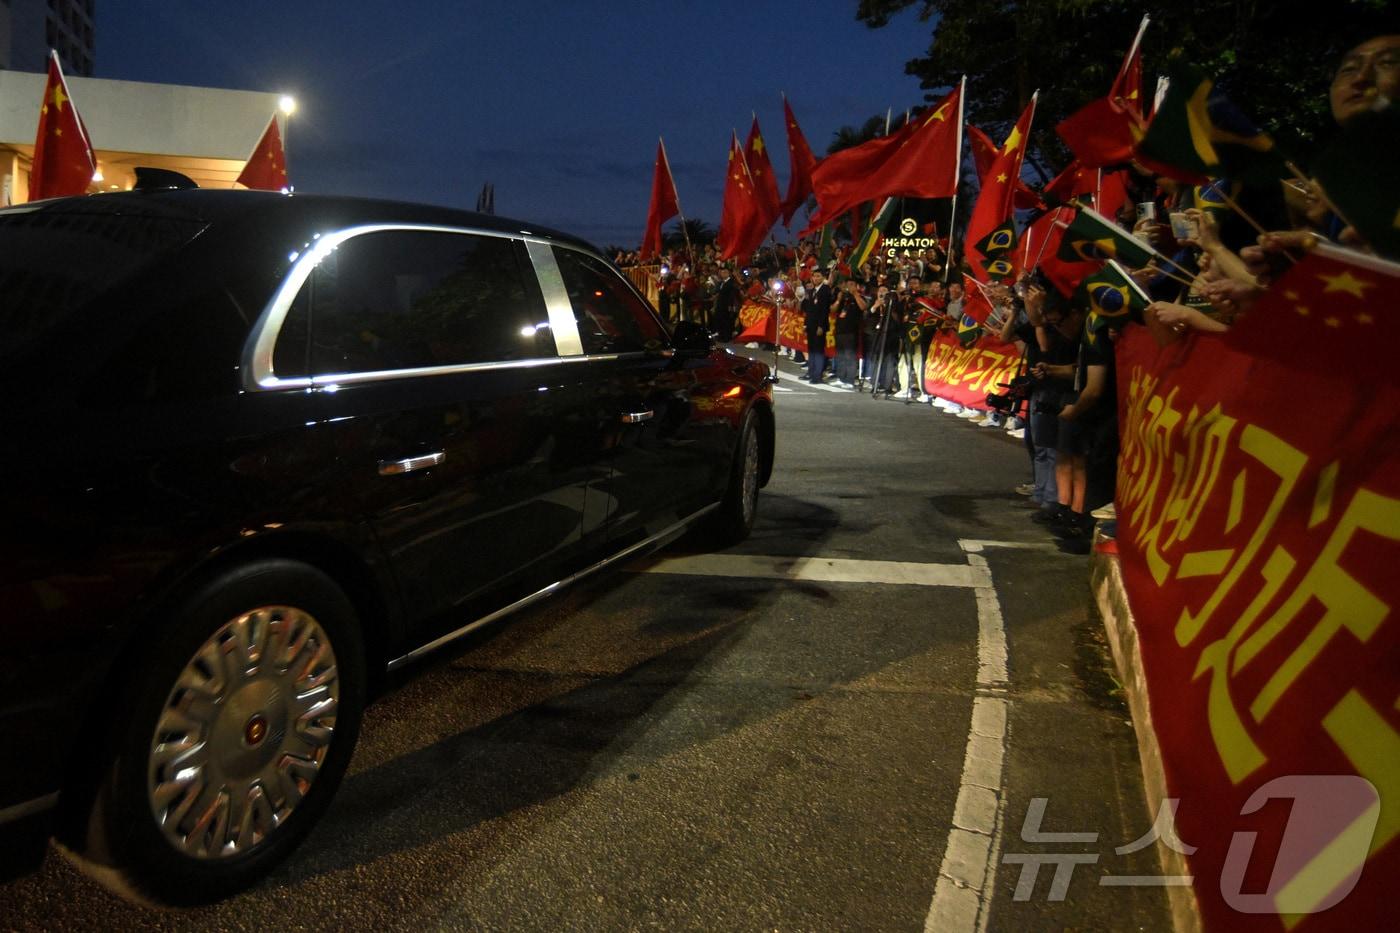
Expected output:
(333, 381)
(556, 298)
(655, 316)
(555, 587)
(257, 369)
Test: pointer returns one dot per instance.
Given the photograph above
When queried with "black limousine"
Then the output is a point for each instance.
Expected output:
(266, 450)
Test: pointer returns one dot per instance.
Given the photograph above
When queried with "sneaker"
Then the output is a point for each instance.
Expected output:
(925, 398)
(1019, 434)
(1025, 489)
(953, 408)
(845, 385)
(1105, 512)
(1052, 516)
(750, 346)
(993, 421)
(969, 413)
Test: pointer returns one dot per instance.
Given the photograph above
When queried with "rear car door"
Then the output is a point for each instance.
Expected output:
(433, 362)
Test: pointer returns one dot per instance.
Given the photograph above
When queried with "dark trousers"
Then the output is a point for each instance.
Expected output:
(846, 356)
(816, 354)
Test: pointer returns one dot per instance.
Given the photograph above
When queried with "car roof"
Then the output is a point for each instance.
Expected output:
(220, 207)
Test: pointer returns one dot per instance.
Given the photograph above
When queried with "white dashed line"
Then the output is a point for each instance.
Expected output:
(962, 895)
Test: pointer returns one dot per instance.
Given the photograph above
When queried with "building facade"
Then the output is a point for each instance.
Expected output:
(29, 28)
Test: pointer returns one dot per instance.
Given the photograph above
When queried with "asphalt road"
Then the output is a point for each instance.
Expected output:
(784, 739)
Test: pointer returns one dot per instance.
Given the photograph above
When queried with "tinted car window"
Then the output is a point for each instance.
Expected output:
(408, 298)
(54, 261)
(611, 318)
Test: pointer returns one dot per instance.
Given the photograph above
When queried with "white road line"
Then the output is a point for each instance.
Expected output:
(822, 570)
(962, 895)
(782, 389)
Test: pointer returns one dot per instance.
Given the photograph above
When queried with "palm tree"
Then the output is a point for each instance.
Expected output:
(848, 136)
(699, 233)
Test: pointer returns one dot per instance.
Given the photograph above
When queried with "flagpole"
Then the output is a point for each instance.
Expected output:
(957, 180)
(690, 252)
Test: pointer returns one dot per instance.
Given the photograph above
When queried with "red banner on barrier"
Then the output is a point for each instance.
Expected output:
(1259, 530)
(967, 374)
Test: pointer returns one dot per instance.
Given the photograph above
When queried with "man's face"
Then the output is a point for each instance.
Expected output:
(955, 291)
(817, 278)
(1366, 73)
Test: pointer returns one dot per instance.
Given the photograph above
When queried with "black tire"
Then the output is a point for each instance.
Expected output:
(125, 846)
(733, 520)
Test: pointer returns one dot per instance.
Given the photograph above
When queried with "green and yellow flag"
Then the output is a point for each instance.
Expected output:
(874, 232)
(1092, 237)
(1111, 298)
(1001, 240)
(1198, 134)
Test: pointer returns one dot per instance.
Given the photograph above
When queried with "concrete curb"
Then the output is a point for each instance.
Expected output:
(1106, 580)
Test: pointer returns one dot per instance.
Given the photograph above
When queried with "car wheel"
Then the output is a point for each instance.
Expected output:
(243, 719)
(734, 518)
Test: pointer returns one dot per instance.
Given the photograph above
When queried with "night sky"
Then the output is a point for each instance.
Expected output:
(558, 104)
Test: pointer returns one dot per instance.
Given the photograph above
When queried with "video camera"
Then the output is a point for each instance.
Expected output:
(1017, 391)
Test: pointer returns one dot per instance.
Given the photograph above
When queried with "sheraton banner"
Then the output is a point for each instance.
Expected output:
(1259, 530)
(967, 374)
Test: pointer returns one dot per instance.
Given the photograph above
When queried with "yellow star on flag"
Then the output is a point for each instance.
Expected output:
(1001, 179)
(1346, 282)
(59, 97)
(1364, 318)
(758, 144)
(1333, 322)
(1012, 141)
(940, 114)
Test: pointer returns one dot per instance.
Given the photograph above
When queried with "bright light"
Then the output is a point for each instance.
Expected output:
(292, 256)
(287, 104)
(527, 331)
(97, 176)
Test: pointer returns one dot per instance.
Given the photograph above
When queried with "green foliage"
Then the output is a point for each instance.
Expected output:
(699, 233)
(1275, 59)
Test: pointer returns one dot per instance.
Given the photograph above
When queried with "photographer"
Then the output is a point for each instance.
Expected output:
(848, 309)
(882, 329)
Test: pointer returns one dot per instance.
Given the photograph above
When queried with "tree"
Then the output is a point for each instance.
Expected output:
(699, 232)
(1275, 59)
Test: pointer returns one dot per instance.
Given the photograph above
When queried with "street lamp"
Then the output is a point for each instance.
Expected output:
(287, 104)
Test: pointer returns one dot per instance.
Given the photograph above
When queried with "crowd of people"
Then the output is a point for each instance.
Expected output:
(886, 312)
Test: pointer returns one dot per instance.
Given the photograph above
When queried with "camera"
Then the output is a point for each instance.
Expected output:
(1017, 391)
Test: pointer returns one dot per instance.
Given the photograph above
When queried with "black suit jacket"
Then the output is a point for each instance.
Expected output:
(816, 308)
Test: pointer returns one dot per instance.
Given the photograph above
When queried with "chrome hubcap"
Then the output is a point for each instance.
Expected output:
(750, 478)
(244, 732)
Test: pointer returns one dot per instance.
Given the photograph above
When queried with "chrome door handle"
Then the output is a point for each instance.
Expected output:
(637, 417)
(397, 467)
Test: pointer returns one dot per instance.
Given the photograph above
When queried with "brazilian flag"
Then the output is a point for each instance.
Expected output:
(1199, 134)
(1001, 240)
(1093, 237)
(826, 246)
(999, 268)
(1111, 298)
(968, 330)
(873, 233)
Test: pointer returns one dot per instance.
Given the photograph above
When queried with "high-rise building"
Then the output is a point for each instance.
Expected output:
(29, 28)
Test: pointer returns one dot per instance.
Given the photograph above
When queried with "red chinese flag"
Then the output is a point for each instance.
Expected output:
(664, 204)
(1046, 234)
(996, 201)
(1104, 131)
(976, 305)
(984, 153)
(1333, 311)
(764, 330)
(267, 166)
(765, 185)
(801, 162)
(63, 160)
(739, 215)
(919, 161)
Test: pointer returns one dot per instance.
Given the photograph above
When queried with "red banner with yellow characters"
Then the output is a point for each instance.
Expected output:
(1259, 532)
(966, 375)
